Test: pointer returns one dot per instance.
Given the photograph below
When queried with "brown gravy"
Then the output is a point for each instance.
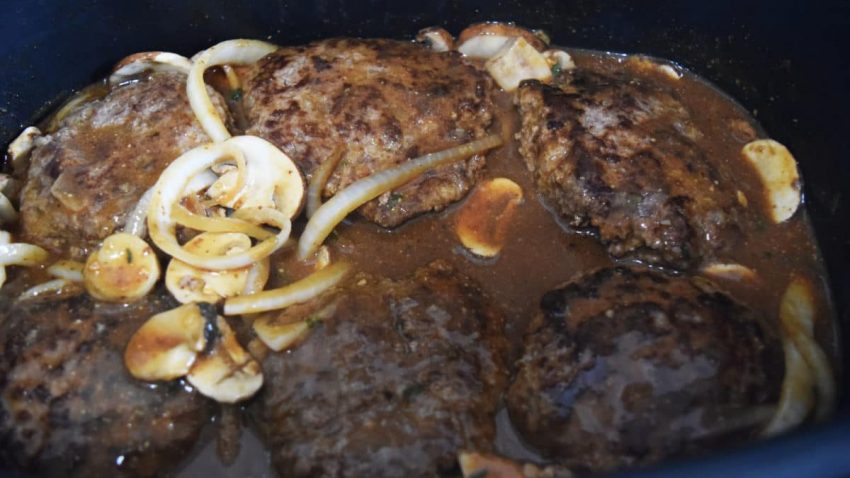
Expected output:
(540, 254)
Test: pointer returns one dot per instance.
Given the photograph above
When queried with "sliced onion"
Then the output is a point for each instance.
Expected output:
(186, 218)
(7, 211)
(71, 271)
(320, 179)
(56, 289)
(138, 63)
(168, 191)
(135, 223)
(806, 367)
(308, 288)
(797, 315)
(364, 190)
(228, 52)
(19, 254)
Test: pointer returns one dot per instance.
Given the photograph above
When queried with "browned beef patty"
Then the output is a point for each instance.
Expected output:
(383, 102)
(625, 367)
(394, 380)
(67, 405)
(618, 155)
(89, 174)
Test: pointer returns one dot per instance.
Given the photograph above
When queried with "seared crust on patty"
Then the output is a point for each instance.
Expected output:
(619, 155)
(383, 102)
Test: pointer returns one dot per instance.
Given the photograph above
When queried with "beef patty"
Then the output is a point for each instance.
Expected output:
(619, 155)
(383, 102)
(67, 405)
(395, 378)
(85, 177)
(625, 367)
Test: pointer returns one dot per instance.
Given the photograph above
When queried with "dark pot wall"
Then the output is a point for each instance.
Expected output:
(783, 60)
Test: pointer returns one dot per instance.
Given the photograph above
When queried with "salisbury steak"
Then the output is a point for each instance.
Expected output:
(85, 177)
(67, 405)
(619, 155)
(394, 379)
(383, 102)
(625, 367)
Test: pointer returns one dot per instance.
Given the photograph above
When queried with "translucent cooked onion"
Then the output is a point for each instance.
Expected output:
(320, 179)
(56, 289)
(186, 218)
(308, 288)
(7, 211)
(71, 271)
(797, 316)
(135, 64)
(135, 223)
(806, 367)
(20, 254)
(364, 190)
(234, 52)
(168, 191)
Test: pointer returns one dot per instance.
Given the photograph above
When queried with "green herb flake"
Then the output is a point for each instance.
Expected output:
(556, 69)
(313, 322)
(129, 256)
(393, 200)
(236, 95)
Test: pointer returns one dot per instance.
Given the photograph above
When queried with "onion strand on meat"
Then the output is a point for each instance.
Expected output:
(20, 254)
(186, 218)
(135, 223)
(364, 190)
(320, 180)
(227, 52)
(305, 289)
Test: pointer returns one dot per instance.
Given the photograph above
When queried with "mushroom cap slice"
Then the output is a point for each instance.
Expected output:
(484, 40)
(226, 373)
(517, 60)
(777, 170)
(166, 346)
(124, 268)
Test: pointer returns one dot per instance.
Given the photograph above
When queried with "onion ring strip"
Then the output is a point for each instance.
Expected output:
(168, 192)
(364, 190)
(227, 52)
(300, 291)
(320, 180)
(187, 218)
(20, 254)
(135, 223)
(55, 289)
(70, 271)
(7, 211)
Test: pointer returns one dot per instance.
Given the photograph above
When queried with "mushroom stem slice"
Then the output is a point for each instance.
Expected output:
(518, 61)
(438, 39)
(484, 40)
(482, 222)
(124, 269)
(227, 373)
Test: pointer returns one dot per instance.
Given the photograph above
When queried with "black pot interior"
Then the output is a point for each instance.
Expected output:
(782, 60)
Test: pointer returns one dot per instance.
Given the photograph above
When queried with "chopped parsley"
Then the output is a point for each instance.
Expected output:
(129, 255)
(409, 393)
(393, 200)
(556, 69)
(313, 322)
(236, 95)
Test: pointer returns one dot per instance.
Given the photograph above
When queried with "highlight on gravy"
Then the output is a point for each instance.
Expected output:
(472, 256)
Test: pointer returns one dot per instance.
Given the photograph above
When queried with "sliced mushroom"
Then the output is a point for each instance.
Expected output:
(651, 65)
(278, 336)
(438, 39)
(777, 170)
(167, 345)
(518, 61)
(21, 147)
(134, 65)
(484, 40)
(226, 373)
(193, 284)
(483, 221)
(124, 268)
(474, 464)
(729, 271)
(271, 179)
